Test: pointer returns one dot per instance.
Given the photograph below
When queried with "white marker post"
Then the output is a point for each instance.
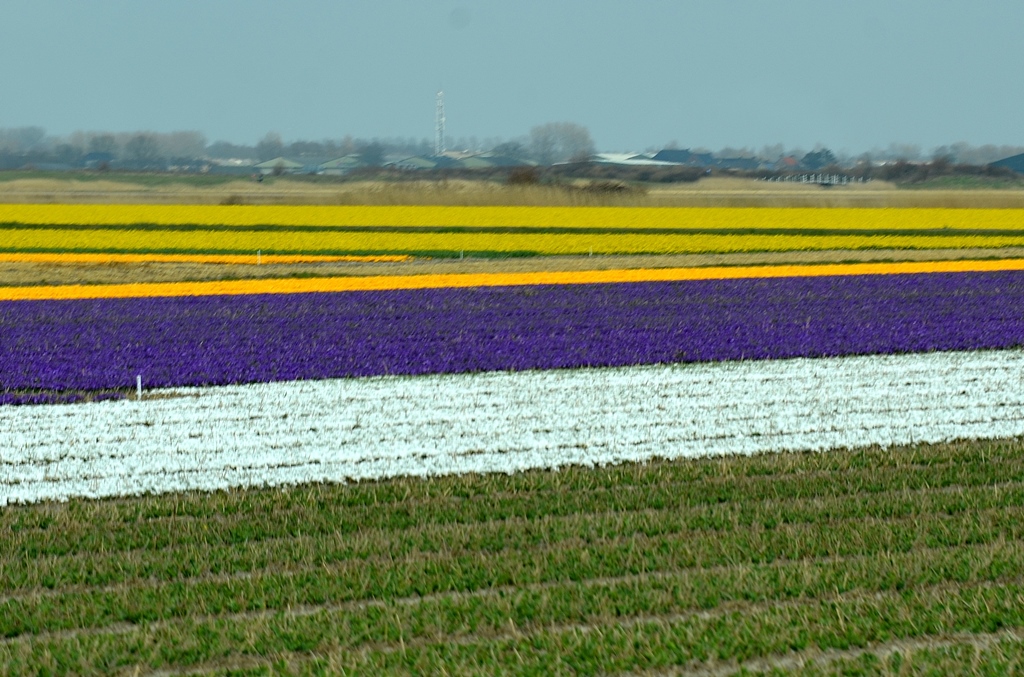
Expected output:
(138, 386)
(258, 256)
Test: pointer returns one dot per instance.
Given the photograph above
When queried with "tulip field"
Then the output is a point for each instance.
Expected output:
(297, 432)
(491, 231)
(809, 469)
(533, 218)
(67, 348)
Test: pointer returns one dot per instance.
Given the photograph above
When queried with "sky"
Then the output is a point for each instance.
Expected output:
(639, 74)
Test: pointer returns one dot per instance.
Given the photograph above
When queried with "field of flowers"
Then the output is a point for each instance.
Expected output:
(56, 347)
(392, 282)
(297, 432)
(492, 231)
(906, 560)
(528, 472)
(704, 218)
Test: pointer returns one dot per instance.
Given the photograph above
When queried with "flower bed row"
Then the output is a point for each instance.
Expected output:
(525, 217)
(357, 429)
(103, 344)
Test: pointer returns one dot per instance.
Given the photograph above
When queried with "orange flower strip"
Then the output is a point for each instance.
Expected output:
(378, 283)
(244, 259)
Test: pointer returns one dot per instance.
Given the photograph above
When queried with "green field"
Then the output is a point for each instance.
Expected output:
(901, 561)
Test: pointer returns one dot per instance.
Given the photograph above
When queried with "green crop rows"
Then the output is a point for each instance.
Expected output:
(901, 561)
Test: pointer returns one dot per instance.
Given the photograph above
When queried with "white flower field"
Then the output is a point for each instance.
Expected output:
(356, 429)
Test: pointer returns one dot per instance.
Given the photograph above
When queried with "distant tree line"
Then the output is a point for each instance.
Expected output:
(31, 147)
(567, 146)
(960, 153)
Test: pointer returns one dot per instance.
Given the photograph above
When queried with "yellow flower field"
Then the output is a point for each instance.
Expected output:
(233, 231)
(378, 283)
(525, 217)
(335, 242)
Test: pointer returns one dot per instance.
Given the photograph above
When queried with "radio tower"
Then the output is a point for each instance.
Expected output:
(439, 125)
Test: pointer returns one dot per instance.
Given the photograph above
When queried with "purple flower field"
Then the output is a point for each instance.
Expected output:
(62, 346)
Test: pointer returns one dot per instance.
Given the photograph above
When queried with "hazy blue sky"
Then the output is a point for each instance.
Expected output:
(851, 75)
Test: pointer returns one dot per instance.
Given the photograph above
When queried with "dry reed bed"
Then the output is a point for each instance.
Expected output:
(713, 192)
(763, 559)
(28, 273)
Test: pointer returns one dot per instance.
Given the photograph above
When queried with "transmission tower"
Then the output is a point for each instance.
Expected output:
(439, 126)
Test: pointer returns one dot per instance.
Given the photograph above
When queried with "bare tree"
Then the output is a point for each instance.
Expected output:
(511, 149)
(773, 152)
(103, 143)
(903, 151)
(270, 147)
(818, 159)
(731, 151)
(372, 154)
(22, 139)
(560, 141)
(225, 149)
(306, 149)
(143, 149)
(184, 144)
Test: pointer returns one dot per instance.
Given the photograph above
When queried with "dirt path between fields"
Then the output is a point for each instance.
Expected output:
(21, 274)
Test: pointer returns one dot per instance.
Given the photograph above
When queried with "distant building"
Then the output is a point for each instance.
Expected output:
(629, 159)
(432, 162)
(1014, 163)
(747, 164)
(475, 162)
(415, 162)
(787, 163)
(691, 159)
(339, 166)
(97, 160)
(489, 159)
(675, 156)
(505, 160)
(685, 157)
(48, 167)
(279, 165)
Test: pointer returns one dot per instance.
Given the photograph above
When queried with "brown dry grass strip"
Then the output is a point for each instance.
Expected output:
(32, 274)
(708, 192)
